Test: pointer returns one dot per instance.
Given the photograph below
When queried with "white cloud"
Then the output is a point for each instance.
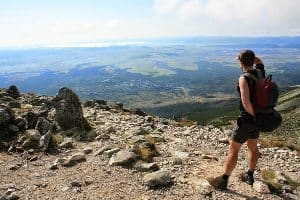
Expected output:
(238, 16)
(113, 23)
(192, 8)
(165, 6)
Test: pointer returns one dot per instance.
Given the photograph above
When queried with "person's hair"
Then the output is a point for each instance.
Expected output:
(247, 58)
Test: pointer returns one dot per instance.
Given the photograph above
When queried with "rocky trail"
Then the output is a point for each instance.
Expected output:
(60, 148)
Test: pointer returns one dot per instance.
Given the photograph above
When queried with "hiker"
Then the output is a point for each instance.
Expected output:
(245, 131)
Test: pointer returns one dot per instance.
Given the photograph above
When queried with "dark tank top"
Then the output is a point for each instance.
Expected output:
(251, 84)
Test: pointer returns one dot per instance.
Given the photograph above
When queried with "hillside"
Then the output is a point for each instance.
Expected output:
(288, 134)
(59, 148)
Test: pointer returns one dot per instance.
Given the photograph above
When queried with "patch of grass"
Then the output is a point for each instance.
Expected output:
(269, 177)
(186, 122)
(292, 183)
(277, 142)
(55, 140)
(146, 150)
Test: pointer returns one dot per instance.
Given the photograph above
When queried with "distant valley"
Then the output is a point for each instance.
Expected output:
(169, 77)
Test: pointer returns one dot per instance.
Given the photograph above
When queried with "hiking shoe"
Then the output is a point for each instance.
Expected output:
(218, 182)
(245, 177)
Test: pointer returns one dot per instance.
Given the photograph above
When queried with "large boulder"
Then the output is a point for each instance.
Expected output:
(6, 114)
(68, 110)
(13, 91)
(6, 121)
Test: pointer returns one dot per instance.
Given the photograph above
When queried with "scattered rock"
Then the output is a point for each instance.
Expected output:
(87, 150)
(15, 167)
(65, 189)
(76, 158)
(202, 186)
(261, 187)
(209, 157)
(110, 152)
(13, 196)
(146, 167)
(42, 125)
(32, 138)
(31, 119)
(158, 179)
(100, 151)
(123, 158)
(75, 184)
(53, 166)
(33, 158)
(67, 144)
(45, 139)
(88, 180)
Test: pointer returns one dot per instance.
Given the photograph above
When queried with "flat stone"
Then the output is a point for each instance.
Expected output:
(100, 151)
(110, 152)
(123, 158)
(158, 179)
(72, 160)
(75, 184)
(145, 167)
(67, 144)
(202, 186)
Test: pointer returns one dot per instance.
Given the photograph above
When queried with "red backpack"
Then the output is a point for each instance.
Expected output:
(266, 96)
(266, 91)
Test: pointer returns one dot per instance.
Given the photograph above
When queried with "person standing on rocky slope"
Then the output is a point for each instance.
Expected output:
(245, 130)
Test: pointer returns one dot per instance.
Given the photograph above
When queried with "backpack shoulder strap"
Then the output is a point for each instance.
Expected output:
(251, 76)
(259, 74)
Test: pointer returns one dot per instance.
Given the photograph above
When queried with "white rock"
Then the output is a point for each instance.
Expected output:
(202, 186)
(123, 158)
(261, 187)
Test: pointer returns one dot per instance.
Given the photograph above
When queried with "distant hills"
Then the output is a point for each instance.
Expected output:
(173, 77)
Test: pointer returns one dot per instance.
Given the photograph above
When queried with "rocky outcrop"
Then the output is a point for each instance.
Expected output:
(128, 155)
(68, 110)
(13, 91)
(20, 114)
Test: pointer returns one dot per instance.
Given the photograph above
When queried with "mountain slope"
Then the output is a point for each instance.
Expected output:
(288, 134)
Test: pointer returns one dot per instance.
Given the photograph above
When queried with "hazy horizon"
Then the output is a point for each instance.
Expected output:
(48, 22)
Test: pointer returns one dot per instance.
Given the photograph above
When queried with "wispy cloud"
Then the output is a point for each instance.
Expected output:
(165, 6)
(236, 16)
(113, 23)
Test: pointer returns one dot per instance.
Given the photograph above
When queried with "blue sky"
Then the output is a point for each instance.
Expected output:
(31, 22)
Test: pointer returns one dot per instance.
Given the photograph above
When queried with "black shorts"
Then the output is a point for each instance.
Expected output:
(245, 129)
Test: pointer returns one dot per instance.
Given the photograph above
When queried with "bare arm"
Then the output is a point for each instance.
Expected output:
(245, 95)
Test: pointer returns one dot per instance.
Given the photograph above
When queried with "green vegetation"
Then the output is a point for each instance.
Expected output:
(269, 177)
(55, 140)
(275, 186)
(288, 134)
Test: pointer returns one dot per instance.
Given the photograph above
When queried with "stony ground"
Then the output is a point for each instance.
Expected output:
(189, 153)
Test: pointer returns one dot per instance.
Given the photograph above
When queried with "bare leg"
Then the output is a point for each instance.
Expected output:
(232, 157)
(253, 153)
